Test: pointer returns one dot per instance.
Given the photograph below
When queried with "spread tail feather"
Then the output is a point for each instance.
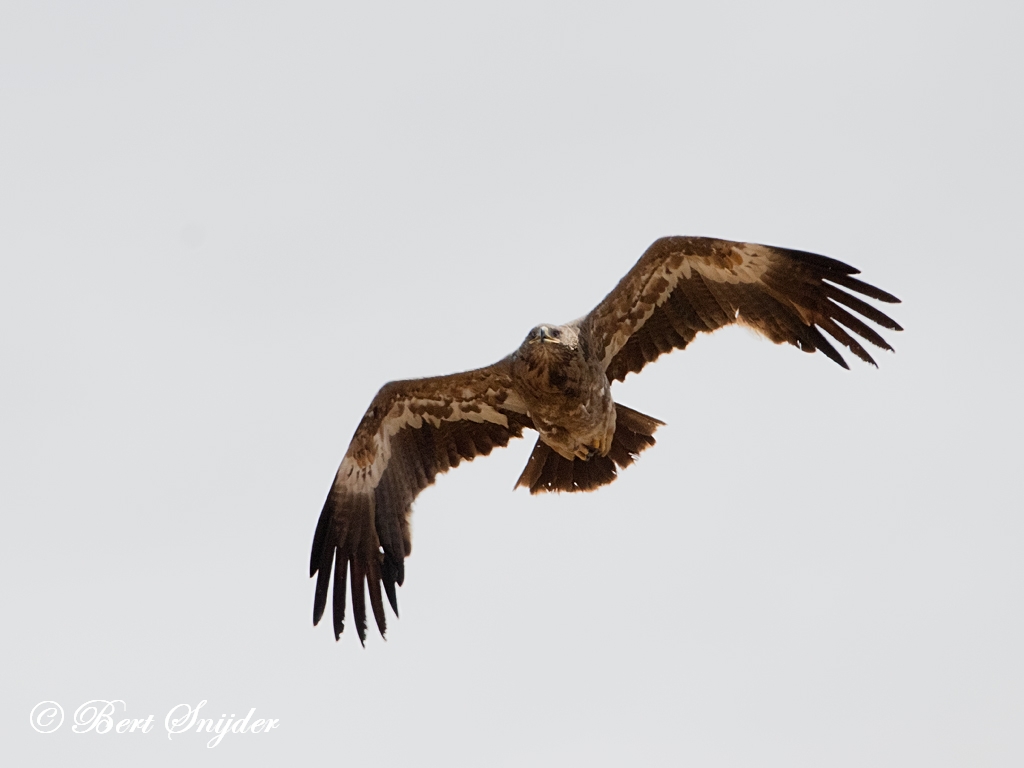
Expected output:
(547, 471)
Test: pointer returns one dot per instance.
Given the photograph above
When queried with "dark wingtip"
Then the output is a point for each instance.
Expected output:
(866, 357)
(391, 574)
(358, 581)
(361, 631)
(361, 628)
(323, 578)
(863, 288)
(820, 342)
(825, 264)
(389, 589)
(376, 603)
(320, 536)
(340, 587)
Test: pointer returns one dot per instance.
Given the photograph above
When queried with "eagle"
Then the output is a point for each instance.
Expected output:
(558, 383)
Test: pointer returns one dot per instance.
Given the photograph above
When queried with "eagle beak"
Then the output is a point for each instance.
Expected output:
(546, 334)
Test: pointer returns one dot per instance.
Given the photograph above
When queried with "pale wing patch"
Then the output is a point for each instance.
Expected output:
(655, 291)
(360, 480)
(411, 413)
(741, 263)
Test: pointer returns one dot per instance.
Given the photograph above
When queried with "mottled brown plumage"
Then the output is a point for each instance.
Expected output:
(559, 383)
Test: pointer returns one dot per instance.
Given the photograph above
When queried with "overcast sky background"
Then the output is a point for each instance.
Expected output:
(224, 225)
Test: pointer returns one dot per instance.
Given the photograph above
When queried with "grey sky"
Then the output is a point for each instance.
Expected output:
(224, 225)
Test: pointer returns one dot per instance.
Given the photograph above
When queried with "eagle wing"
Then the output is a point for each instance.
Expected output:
(412, 431)
(683, 286)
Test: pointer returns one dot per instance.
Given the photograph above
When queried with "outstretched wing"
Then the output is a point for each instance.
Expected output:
(683, 286)
(412, 431)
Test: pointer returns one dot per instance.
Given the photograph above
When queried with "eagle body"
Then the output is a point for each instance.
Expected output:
(568, 398)
(559, 383)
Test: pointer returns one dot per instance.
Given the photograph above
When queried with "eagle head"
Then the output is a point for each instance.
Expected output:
(548, 357)
(549, 334)
(546, 339)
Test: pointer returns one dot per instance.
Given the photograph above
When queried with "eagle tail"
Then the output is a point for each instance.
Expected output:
(548, 471)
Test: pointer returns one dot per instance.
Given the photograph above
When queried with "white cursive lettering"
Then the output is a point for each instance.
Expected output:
(99, 716)
(183, 722)
(184, 718)
(46, 716)
(93, 717)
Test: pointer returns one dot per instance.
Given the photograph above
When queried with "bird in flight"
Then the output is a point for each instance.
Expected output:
(559, 383)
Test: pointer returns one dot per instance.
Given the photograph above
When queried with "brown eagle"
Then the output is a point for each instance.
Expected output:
(559, 383)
